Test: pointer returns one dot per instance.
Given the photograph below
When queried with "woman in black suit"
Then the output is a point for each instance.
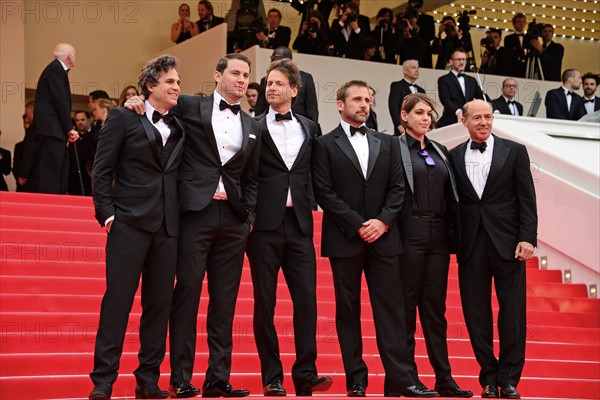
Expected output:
(426, 230)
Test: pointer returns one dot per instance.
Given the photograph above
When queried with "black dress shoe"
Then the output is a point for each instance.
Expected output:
(452, 390)
(222, 388)
(413, 391)
(274, 389)
(314, 384)
(150, 392)
(490, 392)
(509, 392)
(358, 390)
(101, 392)
(183, 390)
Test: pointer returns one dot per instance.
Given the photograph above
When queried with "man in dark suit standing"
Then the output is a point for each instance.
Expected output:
(455, 89)
(496, 59)
(498, 218)
(550, 54)
(305, 104)
(517, 47)
(207, 18)
(140, 154)
(425, 29)
(358, 182)
(506, 104)
(347, 35)
(563, 102)
(45, 161)
(282, 237)
(591, 102)
(277, 35)
(401, 89)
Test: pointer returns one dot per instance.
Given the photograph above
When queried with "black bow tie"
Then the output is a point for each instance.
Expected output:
(569, 93)
(272, 32)
(411, 84)
(283, 117)
(252, 110)
(362, 129)
(520, 34)
(460, 74)
(510, 101)
(235, 108)
(588, 101)
(479, 146)
(156, 116)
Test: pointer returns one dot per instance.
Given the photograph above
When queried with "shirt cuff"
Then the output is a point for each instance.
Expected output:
(109, 219)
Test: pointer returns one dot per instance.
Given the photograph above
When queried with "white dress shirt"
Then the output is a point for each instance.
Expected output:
(360, 144)
(589, 106)
(288, 137)
(568, 96)
(161, 126)
(478, 165)
(228, 135)
(461, 81)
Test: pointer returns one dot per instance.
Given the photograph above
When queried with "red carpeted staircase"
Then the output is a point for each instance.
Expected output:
(52, 281)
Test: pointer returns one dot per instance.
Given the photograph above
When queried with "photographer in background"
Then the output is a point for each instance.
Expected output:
(424, 27)
(452, 40)
(313, 37)
(347, 36)
(495, 59)
(550, 54)
(411, 45)
(518, 46)
(277, 35)
(385, 35)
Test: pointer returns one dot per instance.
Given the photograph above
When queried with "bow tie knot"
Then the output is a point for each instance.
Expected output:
(510, 102)
(588, 101)
(478, 146)
(235, 108)
(283, 117)
(362, 129)
(156, 116)
(569, 93)
(460, 74)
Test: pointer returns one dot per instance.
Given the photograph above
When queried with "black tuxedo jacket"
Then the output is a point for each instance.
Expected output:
(556, 105)
(551, 60)
(283, 35)
(507, 207)
(518, 57)
(5, 167)
(144, 192)
(306, 104)
(450, 192)
(274, 180)
(398, 91)
(201, 165)
(501, 105)
(202, 26)
(451, 96)
(353, 48)
(52, 111)
(348, 199)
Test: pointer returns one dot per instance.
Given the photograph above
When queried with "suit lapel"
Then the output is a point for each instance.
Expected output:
(206, 109)
(344, 144)
(177, 148)
(306, 144)
(406, 160)
(498, 159)
(149, 129)
(374, 145)
(268, 140)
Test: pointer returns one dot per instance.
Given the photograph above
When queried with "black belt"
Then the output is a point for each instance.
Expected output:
(427, 215)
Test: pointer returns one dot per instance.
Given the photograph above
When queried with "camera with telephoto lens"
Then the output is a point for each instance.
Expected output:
(534, 30)
(350, 17)
(313, 27)
(488, 43)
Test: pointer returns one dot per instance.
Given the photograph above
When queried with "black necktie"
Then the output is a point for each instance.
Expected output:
(479, 146)
(588, 101)
(156, 116)
(282, 117)
(362, 129)
(235, 108)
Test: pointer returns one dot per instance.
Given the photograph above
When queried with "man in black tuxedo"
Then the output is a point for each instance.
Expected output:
(401, 89)
(358, 182)
(305, 104)
(498, 233)
(217, 191)
(81, 157)
(506, 104)
(515, 44)
(591, 102)
(455, 89)
(550, 54)
(496, 59)
(45, 165)
(207, 18)
(282, 237)
(563, 102)
(277, 35)
(135, 198)
(347, 34)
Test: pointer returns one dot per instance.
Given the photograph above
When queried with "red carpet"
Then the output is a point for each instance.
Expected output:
(52, 281)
